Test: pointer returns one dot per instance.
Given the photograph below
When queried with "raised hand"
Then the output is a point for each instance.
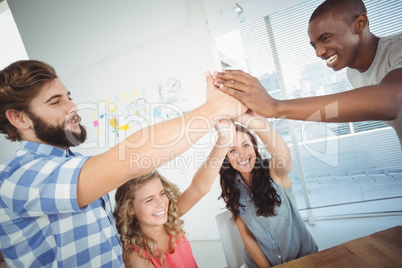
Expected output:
(247, 89)
(228, 107)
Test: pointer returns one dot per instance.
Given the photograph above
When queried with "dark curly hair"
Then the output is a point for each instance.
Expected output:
(263, 193)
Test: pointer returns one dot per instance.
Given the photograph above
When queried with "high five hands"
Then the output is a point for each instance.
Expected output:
(247, 89)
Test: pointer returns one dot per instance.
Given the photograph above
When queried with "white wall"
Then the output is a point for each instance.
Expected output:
(105, 48)
(11, 49)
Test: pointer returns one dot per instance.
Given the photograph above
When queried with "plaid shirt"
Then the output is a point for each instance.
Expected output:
(41, 224)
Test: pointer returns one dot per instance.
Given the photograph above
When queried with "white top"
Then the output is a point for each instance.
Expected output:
(387, 58)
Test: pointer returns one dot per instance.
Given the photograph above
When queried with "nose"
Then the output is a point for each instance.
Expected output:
(242, 154)
(320, 51)
(72, 108)
(160, 202)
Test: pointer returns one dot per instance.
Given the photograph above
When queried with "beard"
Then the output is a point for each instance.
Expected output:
(57, 135)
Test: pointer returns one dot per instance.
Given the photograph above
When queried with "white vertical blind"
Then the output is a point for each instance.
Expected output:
(350, 168)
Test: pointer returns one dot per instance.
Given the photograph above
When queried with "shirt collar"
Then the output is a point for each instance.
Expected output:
(45, 149)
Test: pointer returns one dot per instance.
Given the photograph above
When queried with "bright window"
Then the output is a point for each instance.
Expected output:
(339, 169)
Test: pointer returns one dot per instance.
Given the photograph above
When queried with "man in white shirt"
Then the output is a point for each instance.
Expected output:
(339, 32)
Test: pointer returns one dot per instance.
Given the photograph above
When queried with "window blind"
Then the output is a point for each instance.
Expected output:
(339, 168)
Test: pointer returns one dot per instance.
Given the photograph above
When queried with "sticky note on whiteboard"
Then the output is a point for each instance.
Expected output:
(124, 127)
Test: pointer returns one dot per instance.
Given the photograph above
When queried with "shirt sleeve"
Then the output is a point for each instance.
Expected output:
(395, 56)
(44, 186)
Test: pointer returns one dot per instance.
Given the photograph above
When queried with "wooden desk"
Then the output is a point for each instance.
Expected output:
(382, 249)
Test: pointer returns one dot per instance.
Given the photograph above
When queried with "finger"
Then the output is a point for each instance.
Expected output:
(234, 75)
(209, 78)
(235, 85)
(232, 92)
(218, 82)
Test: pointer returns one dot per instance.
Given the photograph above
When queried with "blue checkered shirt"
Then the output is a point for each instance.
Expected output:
(41, 224)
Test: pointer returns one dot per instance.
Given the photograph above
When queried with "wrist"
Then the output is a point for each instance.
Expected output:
(223, 140)
(277, 109)
(256, 122)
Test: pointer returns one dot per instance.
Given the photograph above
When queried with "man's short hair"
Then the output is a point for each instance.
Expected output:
(345, 10)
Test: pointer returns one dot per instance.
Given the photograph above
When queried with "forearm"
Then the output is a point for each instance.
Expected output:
(164, 141)
(203, 178)
(206, 174)
(361, 104)
(251, 244)
(255, 252)
(377, 102)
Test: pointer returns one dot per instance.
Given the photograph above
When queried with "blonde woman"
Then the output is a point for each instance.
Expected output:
(149, 208)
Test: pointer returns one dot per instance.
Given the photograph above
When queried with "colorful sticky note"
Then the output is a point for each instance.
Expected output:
(109, 100)
(134, 93)
(96, 123)
(158, 112)
(125, 96)
(94, 115)
(117, 98)
(112, 108)
(124, 127)
(113, 122)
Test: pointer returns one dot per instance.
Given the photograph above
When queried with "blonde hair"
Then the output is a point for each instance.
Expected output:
(127, 224)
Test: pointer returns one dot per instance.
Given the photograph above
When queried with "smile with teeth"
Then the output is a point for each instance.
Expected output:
(331, 59)
(162, 213)
(244, 163)
(75, 119)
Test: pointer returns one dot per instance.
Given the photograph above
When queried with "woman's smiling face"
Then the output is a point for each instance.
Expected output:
(241, 153)
(150, 205)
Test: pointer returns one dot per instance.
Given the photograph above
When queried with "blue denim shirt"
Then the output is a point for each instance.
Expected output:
(283, 237)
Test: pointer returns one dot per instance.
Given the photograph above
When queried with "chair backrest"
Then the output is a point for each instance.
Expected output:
(232, 243)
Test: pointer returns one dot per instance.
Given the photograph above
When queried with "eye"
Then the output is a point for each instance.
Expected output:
(232, 151)
(163, 193)
(246, 145)
(326, 38)
(56, 102)
(149, 200)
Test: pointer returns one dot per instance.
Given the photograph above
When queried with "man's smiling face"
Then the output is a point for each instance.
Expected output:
(54, 117)
(334, 41)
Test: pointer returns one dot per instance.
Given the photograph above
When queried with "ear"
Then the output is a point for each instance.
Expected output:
(361, 23)
(18, 119)
(131, 211)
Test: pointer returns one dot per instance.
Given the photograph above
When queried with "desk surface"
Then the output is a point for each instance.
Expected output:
(381, 249)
